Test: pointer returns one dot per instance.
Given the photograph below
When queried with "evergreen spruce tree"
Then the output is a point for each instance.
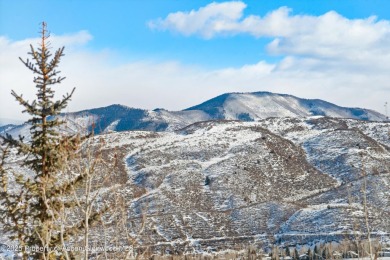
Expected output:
(296, 254)
(316, 253)
(324, 253)
(33, 202)
(207, 181)
(309, 254)
(288, 251)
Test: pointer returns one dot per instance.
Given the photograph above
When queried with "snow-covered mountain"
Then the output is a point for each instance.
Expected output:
(202, 184)
(232, 106)
(261, 105)
(224, 184)
(8, 121)
(7, 128)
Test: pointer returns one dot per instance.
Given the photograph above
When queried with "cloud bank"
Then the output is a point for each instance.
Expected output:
(327, 35)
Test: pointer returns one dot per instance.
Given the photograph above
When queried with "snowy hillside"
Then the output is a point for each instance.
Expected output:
(271, 170)
(261, 105)
(221, 184)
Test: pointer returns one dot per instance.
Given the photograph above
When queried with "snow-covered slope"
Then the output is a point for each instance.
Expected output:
(220, 184)
(260, 105)
(225, 184)
(118, 118)
(6, 128)
(233, 106)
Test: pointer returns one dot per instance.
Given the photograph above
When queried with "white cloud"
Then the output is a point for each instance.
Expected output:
(14, 75)
(228, 18)
(207, 21)
(327, 56)
(326, 36)
(101, 79)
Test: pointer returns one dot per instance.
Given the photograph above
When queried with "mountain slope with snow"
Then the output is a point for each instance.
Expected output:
(232, 106)
(261, 105)
(217, 185)
(220, 184)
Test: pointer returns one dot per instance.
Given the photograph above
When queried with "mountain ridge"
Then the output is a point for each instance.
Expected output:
(223, 184)
(313, 106)
(282, 181)
(242, 106)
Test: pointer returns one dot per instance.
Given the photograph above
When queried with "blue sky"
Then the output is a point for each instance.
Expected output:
(179, 53)
(122, 25)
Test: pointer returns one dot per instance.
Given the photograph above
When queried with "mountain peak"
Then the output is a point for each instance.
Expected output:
(241, 106)
(263, 104)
